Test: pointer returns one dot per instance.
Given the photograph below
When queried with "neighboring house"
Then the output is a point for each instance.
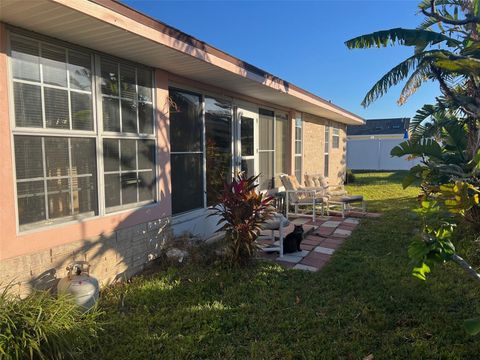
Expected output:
(369, 145)
(116, 128)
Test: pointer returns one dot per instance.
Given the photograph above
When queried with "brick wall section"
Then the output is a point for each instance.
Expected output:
(112, 257)
(314, 145)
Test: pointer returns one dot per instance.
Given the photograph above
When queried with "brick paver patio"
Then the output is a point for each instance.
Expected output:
(322, 238)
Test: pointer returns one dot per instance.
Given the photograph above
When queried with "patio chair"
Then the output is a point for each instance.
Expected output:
(298, 196)
(336, 194)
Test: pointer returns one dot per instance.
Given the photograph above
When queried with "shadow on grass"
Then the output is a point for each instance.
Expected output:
(363, 302)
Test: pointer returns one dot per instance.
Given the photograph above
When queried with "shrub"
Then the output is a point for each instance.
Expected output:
(44, 327)
(242, 210)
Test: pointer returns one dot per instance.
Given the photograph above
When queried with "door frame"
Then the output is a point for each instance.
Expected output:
(250, 111)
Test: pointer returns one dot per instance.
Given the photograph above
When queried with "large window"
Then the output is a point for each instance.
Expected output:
(298, 148)
(186, 139)
(127, 111)
(57, 133)
(218, 138)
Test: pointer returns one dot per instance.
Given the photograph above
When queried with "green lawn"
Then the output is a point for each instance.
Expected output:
(363, 302)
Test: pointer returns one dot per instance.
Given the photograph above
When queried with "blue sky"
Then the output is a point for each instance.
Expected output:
(303, 43)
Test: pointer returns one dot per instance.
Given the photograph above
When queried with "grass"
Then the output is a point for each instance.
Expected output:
(363, 302)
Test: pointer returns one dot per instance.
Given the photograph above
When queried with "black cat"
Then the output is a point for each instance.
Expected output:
(291, 242)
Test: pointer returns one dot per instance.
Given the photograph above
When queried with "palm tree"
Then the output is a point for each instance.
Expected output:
(450, 56)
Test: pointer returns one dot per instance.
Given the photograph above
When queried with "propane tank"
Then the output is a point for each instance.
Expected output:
(78, 283)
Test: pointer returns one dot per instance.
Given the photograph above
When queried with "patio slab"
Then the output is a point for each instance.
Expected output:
(324, 250)
(331, 224)
(321, 239)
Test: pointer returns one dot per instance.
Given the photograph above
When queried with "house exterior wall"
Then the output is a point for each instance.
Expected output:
(102, 240)
(120, 244)
(314, 148)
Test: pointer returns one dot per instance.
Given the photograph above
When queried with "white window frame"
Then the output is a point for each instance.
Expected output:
(298, 155)
(326, 156)
(97, 133)
(102, 134)
(336, 136)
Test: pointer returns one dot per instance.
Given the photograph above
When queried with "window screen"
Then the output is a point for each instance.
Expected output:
(52, 86)
(56, 178)
(186, 159)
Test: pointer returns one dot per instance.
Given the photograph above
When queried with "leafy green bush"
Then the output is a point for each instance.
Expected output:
(44, 327)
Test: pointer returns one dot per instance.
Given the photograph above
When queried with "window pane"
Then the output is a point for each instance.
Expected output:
(266, 124)
(82, 114)
(111, 114)
(326, 161)
(80, 70)
(248, 166)
(111, 161)
(84, 194)
(25, 59)
(281, 145)
(56, 108)
(54, 65)
(127, 82)
(266, 170)
(335, 142)
(128, 156)
(59, 200)
(83, 156)
(218, 134)
(56, 156)
(129, 116)
(144, 78)
(129, 188)
(31, 202)
(298, 133)
(146, 154)
(28, 105)
(298, 168)
(185, 122)
(187, 182)
(28, 157)
(247, 136)
(146, 186)
(112, 190)
(145, 118)
(298, 147)
(109, 72)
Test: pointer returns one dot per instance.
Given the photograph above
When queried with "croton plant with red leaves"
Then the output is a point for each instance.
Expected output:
(242, 209)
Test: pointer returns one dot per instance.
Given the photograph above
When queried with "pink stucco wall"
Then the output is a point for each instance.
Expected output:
(13, 243)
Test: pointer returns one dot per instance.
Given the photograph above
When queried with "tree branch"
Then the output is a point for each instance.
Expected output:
(434, 14)
(466, 266)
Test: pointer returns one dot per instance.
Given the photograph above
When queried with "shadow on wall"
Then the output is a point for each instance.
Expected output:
(131, 244)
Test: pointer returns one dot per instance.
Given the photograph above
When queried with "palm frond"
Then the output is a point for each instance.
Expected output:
(398, 73)
(421, 74)
(407, 37)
